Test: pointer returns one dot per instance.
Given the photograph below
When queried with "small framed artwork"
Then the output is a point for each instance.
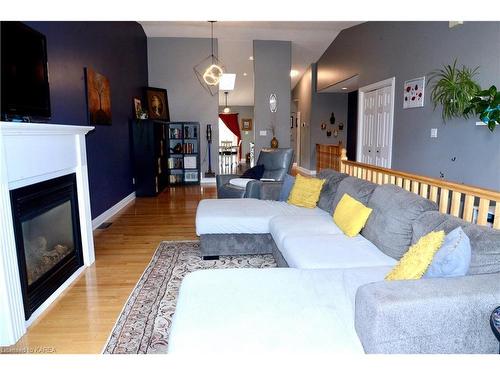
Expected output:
(157, 103)
(413, 95)
(137, 108)
(246, 124)
(98, 98)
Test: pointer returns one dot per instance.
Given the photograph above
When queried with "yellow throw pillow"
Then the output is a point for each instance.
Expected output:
(417, 259)
(351, 215)
(305, 191)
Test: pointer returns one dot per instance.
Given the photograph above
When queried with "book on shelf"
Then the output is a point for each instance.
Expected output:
(175, 163)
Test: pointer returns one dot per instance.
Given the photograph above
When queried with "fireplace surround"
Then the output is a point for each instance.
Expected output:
(31, 154)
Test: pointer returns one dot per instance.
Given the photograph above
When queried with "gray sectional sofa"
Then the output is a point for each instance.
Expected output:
(440, 315)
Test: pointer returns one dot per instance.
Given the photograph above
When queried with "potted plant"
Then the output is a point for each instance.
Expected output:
(486, 105)
(454, 89)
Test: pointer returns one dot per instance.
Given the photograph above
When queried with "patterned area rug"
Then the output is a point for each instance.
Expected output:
(144, 324)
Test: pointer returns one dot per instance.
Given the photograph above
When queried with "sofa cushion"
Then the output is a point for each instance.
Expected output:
(282, 226)
(351, 215)
(484, 241)
(329, 189)
(389, 226)
(360, 190)
(247, 215)
(330, 251)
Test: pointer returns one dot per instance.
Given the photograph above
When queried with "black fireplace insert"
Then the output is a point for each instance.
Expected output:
(48, 238)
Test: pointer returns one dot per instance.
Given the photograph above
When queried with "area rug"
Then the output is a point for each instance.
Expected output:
(144, 323)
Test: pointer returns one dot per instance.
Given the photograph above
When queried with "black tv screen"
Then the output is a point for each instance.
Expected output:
(25, 83)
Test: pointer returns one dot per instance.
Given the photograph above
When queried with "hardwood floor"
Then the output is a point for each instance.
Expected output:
(81, 319)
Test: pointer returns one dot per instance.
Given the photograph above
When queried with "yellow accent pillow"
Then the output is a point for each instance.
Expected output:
(417, 259)
(305, 191)
(351, 215)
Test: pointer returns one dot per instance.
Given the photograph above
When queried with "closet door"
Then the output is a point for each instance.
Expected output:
(369, 128)
(376, 134)
(383, 132)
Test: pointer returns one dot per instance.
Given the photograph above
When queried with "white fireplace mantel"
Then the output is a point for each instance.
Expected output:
(31, 153)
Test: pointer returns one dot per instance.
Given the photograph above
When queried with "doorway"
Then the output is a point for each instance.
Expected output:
(375, 123)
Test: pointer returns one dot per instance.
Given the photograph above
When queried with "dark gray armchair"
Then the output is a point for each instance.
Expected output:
(277, 163)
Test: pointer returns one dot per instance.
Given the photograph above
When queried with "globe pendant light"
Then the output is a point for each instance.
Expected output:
(210, 70)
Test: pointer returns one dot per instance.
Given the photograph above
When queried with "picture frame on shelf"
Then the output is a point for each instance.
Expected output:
(137, 108)
(246, 124)
(157, 103)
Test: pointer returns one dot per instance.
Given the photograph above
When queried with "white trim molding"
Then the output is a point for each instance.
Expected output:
(208, 181)
(306, 171)
(31, 153)
(112, 211)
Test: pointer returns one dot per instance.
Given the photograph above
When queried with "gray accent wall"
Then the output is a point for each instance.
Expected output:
(462, 152)
(316, 108)
(170, 66)
(246, 136)
(272, 63)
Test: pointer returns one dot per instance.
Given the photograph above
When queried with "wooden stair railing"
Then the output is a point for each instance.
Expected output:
(470, 203)
(328, 156)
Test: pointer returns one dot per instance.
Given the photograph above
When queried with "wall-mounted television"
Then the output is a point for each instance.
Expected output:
(25, 78)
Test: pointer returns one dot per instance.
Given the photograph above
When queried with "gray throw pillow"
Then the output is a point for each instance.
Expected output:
(329, 189)
(389, 226)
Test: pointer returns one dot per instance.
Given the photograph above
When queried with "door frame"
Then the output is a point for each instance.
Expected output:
(298, 141)
(389, 82)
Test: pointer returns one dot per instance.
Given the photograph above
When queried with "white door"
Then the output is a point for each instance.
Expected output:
(375, 126)
(297, 139)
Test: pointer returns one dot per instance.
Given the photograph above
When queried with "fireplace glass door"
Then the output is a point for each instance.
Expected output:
(48, 241)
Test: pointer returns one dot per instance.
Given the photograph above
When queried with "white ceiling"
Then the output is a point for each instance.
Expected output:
(235, 40)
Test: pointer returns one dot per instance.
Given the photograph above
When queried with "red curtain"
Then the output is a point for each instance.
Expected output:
(231, 121)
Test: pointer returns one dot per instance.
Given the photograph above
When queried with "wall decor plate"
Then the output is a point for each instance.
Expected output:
(273, 103)
(413, 95)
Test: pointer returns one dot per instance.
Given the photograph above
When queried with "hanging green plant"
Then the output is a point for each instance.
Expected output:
(486, 105)
(453, 89)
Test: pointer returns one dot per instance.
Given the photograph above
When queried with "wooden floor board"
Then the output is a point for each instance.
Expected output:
(81, 319)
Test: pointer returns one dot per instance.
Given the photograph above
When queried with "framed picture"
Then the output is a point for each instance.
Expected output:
(246, 124)
(157, 103)
(414, 90)
(98, 98)
(137, 108)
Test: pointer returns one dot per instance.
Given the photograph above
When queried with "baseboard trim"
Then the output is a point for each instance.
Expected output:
(207, 181)
(109, 213)
(306, 171)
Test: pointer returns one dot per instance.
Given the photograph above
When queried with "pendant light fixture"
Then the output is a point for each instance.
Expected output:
(226, 108)
(210, 70)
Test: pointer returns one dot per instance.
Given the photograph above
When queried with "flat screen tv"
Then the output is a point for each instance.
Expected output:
(25, 81)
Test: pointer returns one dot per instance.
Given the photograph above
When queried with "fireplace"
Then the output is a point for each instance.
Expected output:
(47, 236)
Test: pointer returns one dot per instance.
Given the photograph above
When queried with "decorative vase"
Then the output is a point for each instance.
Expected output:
(274, 143)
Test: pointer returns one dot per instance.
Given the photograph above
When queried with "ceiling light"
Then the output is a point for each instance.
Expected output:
(294, 73)
(227, 81)
(344, 88)
(250, 58)
(210, 70)
(244, 74)
(226, 108)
